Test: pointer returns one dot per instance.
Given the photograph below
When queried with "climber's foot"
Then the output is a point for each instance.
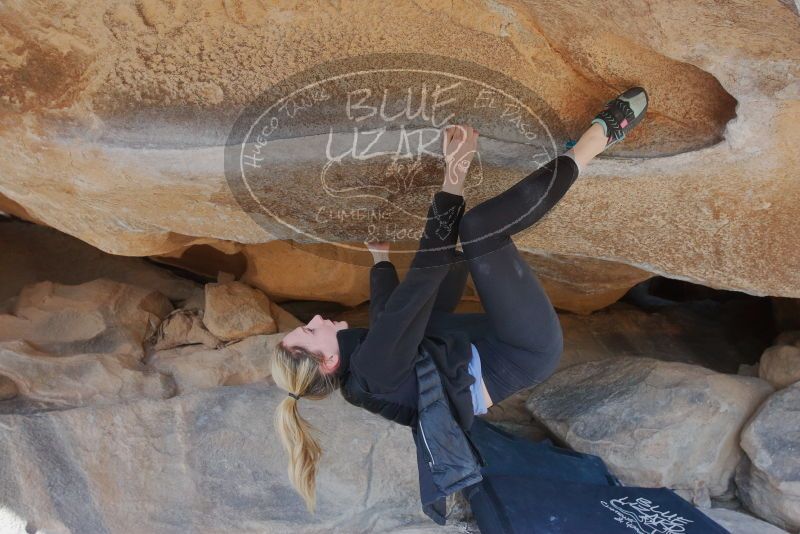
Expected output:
(622, 114)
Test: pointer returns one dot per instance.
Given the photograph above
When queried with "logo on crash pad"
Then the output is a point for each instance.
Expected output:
(351, 150)
(643, 517)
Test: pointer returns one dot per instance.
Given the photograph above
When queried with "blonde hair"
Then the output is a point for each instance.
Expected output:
(297, 371)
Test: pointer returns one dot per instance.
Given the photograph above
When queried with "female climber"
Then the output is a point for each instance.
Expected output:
(482, 357)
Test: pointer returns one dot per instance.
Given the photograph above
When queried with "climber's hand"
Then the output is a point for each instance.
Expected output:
(459, 144)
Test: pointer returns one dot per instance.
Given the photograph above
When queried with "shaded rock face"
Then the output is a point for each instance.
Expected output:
(768, 479)
(637, 414)
(129, 99)
(34, 253)
(289, 270)
(206, 461)
(583, 285)
(100, 316)
(714, 336)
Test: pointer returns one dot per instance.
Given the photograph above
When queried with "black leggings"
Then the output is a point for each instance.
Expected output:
(526, 341)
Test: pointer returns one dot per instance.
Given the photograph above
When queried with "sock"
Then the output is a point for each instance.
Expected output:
(571, 154)
(602, 123)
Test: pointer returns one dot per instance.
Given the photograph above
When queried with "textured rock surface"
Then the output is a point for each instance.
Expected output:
(204, 462)
(768, 481)
(8, 389)
(289, 270)
(80, 379)
(780, 365)
(196, 367)
(583, 285)
(33, 253)
(114, 114)
(100, 316)
(285, 270)
(284, 320)
(234, 310)
(182, 327)
(636, 413)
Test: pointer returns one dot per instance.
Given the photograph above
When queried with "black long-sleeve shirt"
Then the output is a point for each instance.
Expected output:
(399, 311)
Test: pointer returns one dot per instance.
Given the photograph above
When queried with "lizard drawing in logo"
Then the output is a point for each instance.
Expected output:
(390, 176)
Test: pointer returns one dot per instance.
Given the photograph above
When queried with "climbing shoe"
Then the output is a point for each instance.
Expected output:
(622, 114)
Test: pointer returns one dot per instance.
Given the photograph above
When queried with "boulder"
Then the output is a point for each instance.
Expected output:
(637, 414)
(289, 270)
(195, 367)
(206, 461)
(79, 379)
(780, 365)
(790, 337)
(100, 316)
(234, 310)
(768, 479)
(286, 270)
(182, 327)
(132, 105)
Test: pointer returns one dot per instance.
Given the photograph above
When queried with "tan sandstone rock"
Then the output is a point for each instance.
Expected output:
(284, 320)
(285, 270)
(114, 117)
(100, 316)
(234, 310)
(288, 270)
(80, 379)
(583, 285)
(182, 327)
(196, 367)
(780, 365)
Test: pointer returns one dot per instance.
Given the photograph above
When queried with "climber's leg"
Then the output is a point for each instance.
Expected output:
(452, 287)
(526, 340)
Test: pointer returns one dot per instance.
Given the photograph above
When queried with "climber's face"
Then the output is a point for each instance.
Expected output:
(319, 336)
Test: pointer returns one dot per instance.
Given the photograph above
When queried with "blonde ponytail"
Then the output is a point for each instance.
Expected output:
(297, 371)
